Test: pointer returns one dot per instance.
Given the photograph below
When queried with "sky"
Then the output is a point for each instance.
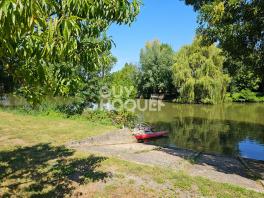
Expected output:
(169, 21)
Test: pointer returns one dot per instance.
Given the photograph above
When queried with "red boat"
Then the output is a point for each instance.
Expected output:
(151, 135)
(144, 131)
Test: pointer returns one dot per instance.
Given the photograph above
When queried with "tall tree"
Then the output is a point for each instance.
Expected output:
(156, 60)
(36, 34)
(198, 74)
(237, 26)
(124, 83)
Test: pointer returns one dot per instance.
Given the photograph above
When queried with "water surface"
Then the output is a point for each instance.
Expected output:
(229, 129)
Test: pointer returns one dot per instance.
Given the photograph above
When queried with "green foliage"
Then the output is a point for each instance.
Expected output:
(75, 108)
(237, 26)
(247, 95)
(123, 83)
(242, 76)
(63, 79)
(40, 39)
(245, 79)
(51, 106)
(156, 60)
(94, 81)
(198, 74)
(228, 98)
(117, 118)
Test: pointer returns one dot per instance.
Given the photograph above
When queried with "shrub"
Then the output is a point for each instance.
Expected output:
(246, 95)
(117, 118)
(75, 108)
(228, 98)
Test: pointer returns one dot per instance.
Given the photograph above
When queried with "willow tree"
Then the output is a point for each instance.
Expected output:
(156, 60)
(41, 39)
(198, 74)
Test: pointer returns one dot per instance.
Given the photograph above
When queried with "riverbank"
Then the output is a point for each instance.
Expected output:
(218, 168)
(37, 161)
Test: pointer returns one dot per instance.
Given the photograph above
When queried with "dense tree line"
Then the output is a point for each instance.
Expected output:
(194, 74)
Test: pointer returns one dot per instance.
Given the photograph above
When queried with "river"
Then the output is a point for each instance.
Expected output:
(230, 129)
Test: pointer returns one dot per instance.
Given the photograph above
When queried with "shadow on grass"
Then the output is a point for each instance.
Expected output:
(44, 170)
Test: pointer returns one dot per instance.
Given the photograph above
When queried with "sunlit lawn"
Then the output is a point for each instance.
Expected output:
(21, 130)
(43, 167)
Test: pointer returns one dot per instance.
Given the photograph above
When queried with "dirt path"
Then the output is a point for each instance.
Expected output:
(219, 168)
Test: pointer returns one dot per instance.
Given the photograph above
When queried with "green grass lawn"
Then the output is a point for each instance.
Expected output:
(35, 163)
(22, 130)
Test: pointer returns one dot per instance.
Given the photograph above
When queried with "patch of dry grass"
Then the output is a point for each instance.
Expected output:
(168, 183)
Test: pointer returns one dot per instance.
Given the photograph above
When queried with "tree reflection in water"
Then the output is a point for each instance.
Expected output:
(212, 129)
